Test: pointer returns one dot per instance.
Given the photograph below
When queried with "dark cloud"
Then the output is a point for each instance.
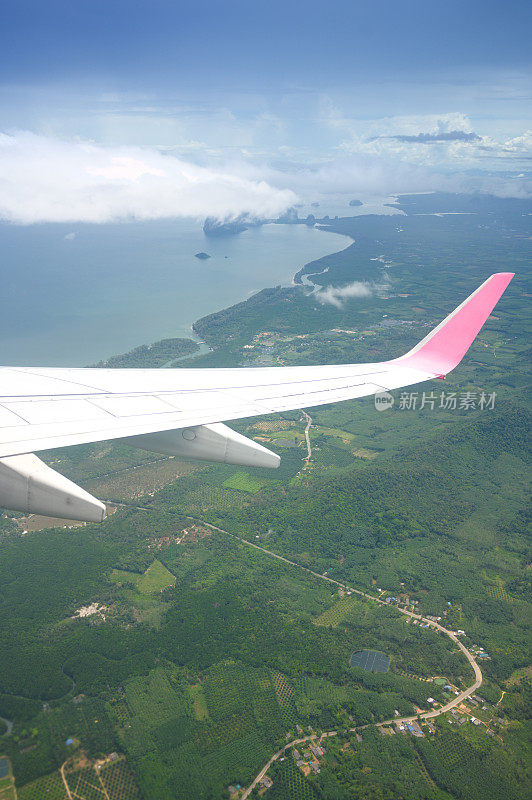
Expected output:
(435, 138)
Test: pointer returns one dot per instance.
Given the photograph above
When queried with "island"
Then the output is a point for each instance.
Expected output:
(202, 256)
(382, 639)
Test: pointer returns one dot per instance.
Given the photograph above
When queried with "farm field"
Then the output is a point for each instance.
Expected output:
(7, 788)
(285, 698)
(244, 482)
(468, 771)
(155, 579)
(209, 656)
(118, 781)
(109, 779)
(227, 717)
(50, 787)
(365, 453)
(289, 783)
(199, 701)
(339, 611)
(138, 481)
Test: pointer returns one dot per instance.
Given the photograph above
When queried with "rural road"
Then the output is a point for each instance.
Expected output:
(280, 752)
(9, 726)
(431, 623)
(307, 435)
(65, 782)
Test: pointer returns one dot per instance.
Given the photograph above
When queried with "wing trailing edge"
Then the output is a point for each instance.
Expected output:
(181, 411)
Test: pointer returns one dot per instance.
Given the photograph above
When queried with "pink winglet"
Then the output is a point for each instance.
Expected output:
(445, 346)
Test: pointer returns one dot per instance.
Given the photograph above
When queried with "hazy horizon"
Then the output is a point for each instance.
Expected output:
(223, 109)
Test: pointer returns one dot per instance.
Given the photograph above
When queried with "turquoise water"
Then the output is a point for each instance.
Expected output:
(105, 289)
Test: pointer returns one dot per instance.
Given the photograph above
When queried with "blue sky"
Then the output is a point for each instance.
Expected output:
(270, 46)
(309, 97)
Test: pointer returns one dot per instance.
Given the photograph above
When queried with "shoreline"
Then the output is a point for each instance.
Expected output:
(299, 277)
(298, 280)
(136, 284)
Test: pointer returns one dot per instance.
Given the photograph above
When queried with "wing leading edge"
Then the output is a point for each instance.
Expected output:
(41, 409)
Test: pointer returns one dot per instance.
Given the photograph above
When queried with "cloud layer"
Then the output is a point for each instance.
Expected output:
(45, 179)
(446, 141)
(50, 180)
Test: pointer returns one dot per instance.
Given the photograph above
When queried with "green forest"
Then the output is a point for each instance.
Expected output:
(205, 655)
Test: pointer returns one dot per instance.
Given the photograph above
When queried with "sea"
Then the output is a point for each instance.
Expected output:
(76, 294)
(72, 295)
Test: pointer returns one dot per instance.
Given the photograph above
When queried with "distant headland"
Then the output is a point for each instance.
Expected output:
(215, 227)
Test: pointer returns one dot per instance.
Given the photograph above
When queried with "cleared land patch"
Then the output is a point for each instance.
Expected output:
(337, 433)
(338, 612)
(363, 452)
(243, 482)
(267, 426)
(140, 480)
(156, 578)
(199, 702)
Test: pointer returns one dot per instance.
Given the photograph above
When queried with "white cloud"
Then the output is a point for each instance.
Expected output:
(69, 237)
(412, 124)
(337, 295)
(50, 180)
(520, 144)
(46, 179)
(446, 140)
(368, 175)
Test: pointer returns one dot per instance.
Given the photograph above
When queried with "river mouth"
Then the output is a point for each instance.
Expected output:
(76, 301)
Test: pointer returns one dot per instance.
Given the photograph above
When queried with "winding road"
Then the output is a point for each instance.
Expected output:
(431, 623)
(307, 435)
(9, 726)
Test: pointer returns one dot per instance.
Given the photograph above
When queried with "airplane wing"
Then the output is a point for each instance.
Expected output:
(180, 411)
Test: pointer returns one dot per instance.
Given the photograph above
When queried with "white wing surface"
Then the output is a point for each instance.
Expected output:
(178, 410)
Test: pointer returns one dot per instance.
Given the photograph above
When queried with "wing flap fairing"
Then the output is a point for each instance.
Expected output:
(214, 442)
(28, 484)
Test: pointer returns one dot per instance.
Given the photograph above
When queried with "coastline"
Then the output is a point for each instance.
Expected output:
(300, 279)
(117, 287)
